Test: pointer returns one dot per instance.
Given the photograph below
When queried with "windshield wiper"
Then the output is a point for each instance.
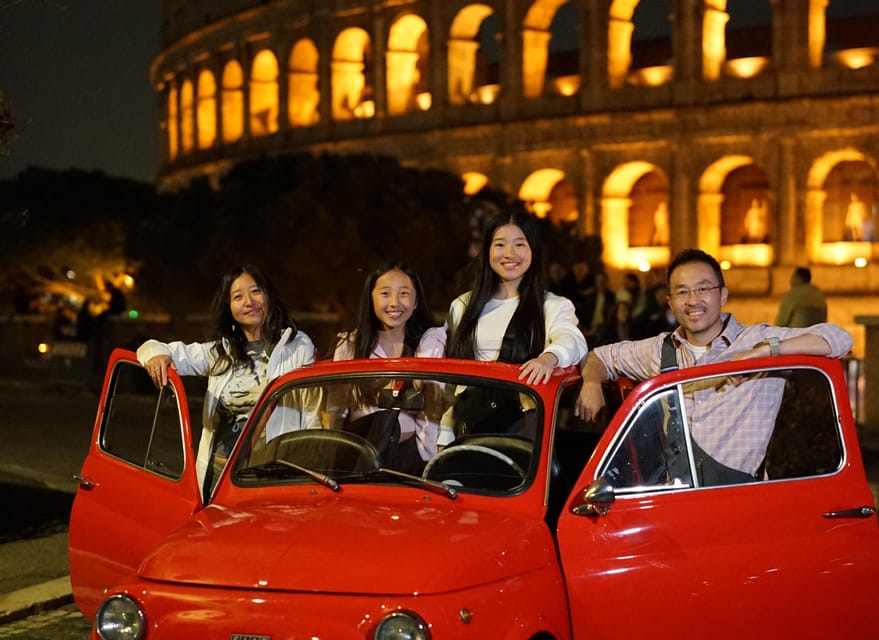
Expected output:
(281, 468)
(430, 485)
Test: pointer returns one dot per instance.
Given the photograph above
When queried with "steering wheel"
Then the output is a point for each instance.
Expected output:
(475, 467)
(329, 451)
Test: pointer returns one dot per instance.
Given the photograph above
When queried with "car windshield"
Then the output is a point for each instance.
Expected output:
(442, 433)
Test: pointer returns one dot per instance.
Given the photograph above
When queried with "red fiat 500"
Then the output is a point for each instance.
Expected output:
(530, 524)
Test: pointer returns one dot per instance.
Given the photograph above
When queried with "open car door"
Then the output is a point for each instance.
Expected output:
(137, 483)
(790, 553)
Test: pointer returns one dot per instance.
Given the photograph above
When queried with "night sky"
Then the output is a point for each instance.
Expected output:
(76, 75)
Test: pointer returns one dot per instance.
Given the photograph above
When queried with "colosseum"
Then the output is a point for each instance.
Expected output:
(749, 129)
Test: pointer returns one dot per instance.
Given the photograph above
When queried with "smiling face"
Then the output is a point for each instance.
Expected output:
(247, 303)
(698, 314)
(510, 254)
(393, 299)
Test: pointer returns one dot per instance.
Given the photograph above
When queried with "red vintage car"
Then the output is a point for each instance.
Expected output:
(531, 524)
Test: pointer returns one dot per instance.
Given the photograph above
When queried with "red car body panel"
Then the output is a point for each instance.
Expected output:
(302, 561)
(352, 526)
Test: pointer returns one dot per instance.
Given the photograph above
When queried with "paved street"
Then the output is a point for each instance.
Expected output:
(64, 623)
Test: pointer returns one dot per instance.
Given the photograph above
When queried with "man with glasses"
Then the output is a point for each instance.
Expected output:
(733, 428)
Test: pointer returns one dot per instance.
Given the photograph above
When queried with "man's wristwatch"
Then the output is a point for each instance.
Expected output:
(773, 346)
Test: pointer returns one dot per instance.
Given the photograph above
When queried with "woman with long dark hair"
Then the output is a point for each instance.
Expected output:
(254, 341)
(509, 315)
(394, 321)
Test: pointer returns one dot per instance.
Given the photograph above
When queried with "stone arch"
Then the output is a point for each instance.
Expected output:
(549, 193)
(463, 52)
(351, 92)
(652, 66)
(407, 60)
(848, 35)
(232, 98)
(747, 39)
(187, 116)
(616, 206)
(833, 179)
(303, 94)
(537, 35)
(206, 109)
(172, 121)
(264, 94)
(728, 189)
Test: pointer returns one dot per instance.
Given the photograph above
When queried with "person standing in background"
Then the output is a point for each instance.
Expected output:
(804, 304)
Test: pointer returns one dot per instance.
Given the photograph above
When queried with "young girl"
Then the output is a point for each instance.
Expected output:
(255, 341)
(395, 321)
(509, 315)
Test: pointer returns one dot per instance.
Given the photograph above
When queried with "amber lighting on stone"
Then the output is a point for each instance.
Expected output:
(746, 67)
(856, 58)
(566, 85)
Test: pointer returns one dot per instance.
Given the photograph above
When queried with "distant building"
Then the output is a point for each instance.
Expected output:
(564, 104)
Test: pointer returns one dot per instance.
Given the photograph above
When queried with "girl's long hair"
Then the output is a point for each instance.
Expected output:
(527, 323)
(365, 336)
(276, 319)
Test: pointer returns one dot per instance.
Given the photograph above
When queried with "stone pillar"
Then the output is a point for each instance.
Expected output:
(788, 235)
(871, 374)
(535, 54)
(586, 224)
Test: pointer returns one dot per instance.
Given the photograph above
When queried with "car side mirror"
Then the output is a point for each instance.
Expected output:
(597, 498)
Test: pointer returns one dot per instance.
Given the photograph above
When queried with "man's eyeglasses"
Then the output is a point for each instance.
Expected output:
(699, 292)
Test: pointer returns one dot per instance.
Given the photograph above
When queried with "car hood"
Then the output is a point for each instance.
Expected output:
(340, 544)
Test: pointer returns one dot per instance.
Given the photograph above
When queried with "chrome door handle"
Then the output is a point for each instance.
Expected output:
(84, 482)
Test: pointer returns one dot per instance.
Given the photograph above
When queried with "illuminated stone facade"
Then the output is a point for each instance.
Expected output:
(763, 150)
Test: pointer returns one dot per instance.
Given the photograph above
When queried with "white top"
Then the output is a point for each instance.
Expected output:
(563, 337)
(198, 358)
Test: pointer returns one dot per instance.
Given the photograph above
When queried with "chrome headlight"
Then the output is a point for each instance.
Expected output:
(402, 625)
(120, 618)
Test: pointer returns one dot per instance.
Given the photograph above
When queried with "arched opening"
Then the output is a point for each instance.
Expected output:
(735, 212)
(549, 194)
(651, 52)
(352, 91)
(303, 96)
(233, 102)
(187, 117)
(407, 61)
(841, 191)
(847, 36)
(264, 94)
(172, 120)
(748, 40)
(474, 56)
(639, 43)
(649, 224)
(630, 197)
(206, 109)
(550, 48)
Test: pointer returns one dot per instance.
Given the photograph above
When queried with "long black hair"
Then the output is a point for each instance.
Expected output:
(527, 324)
(365, 336)
(276, 318)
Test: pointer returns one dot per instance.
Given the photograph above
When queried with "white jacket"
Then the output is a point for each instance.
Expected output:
(198, 358)
(563, 337)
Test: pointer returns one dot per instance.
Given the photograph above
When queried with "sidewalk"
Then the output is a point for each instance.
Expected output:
(33, 576)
